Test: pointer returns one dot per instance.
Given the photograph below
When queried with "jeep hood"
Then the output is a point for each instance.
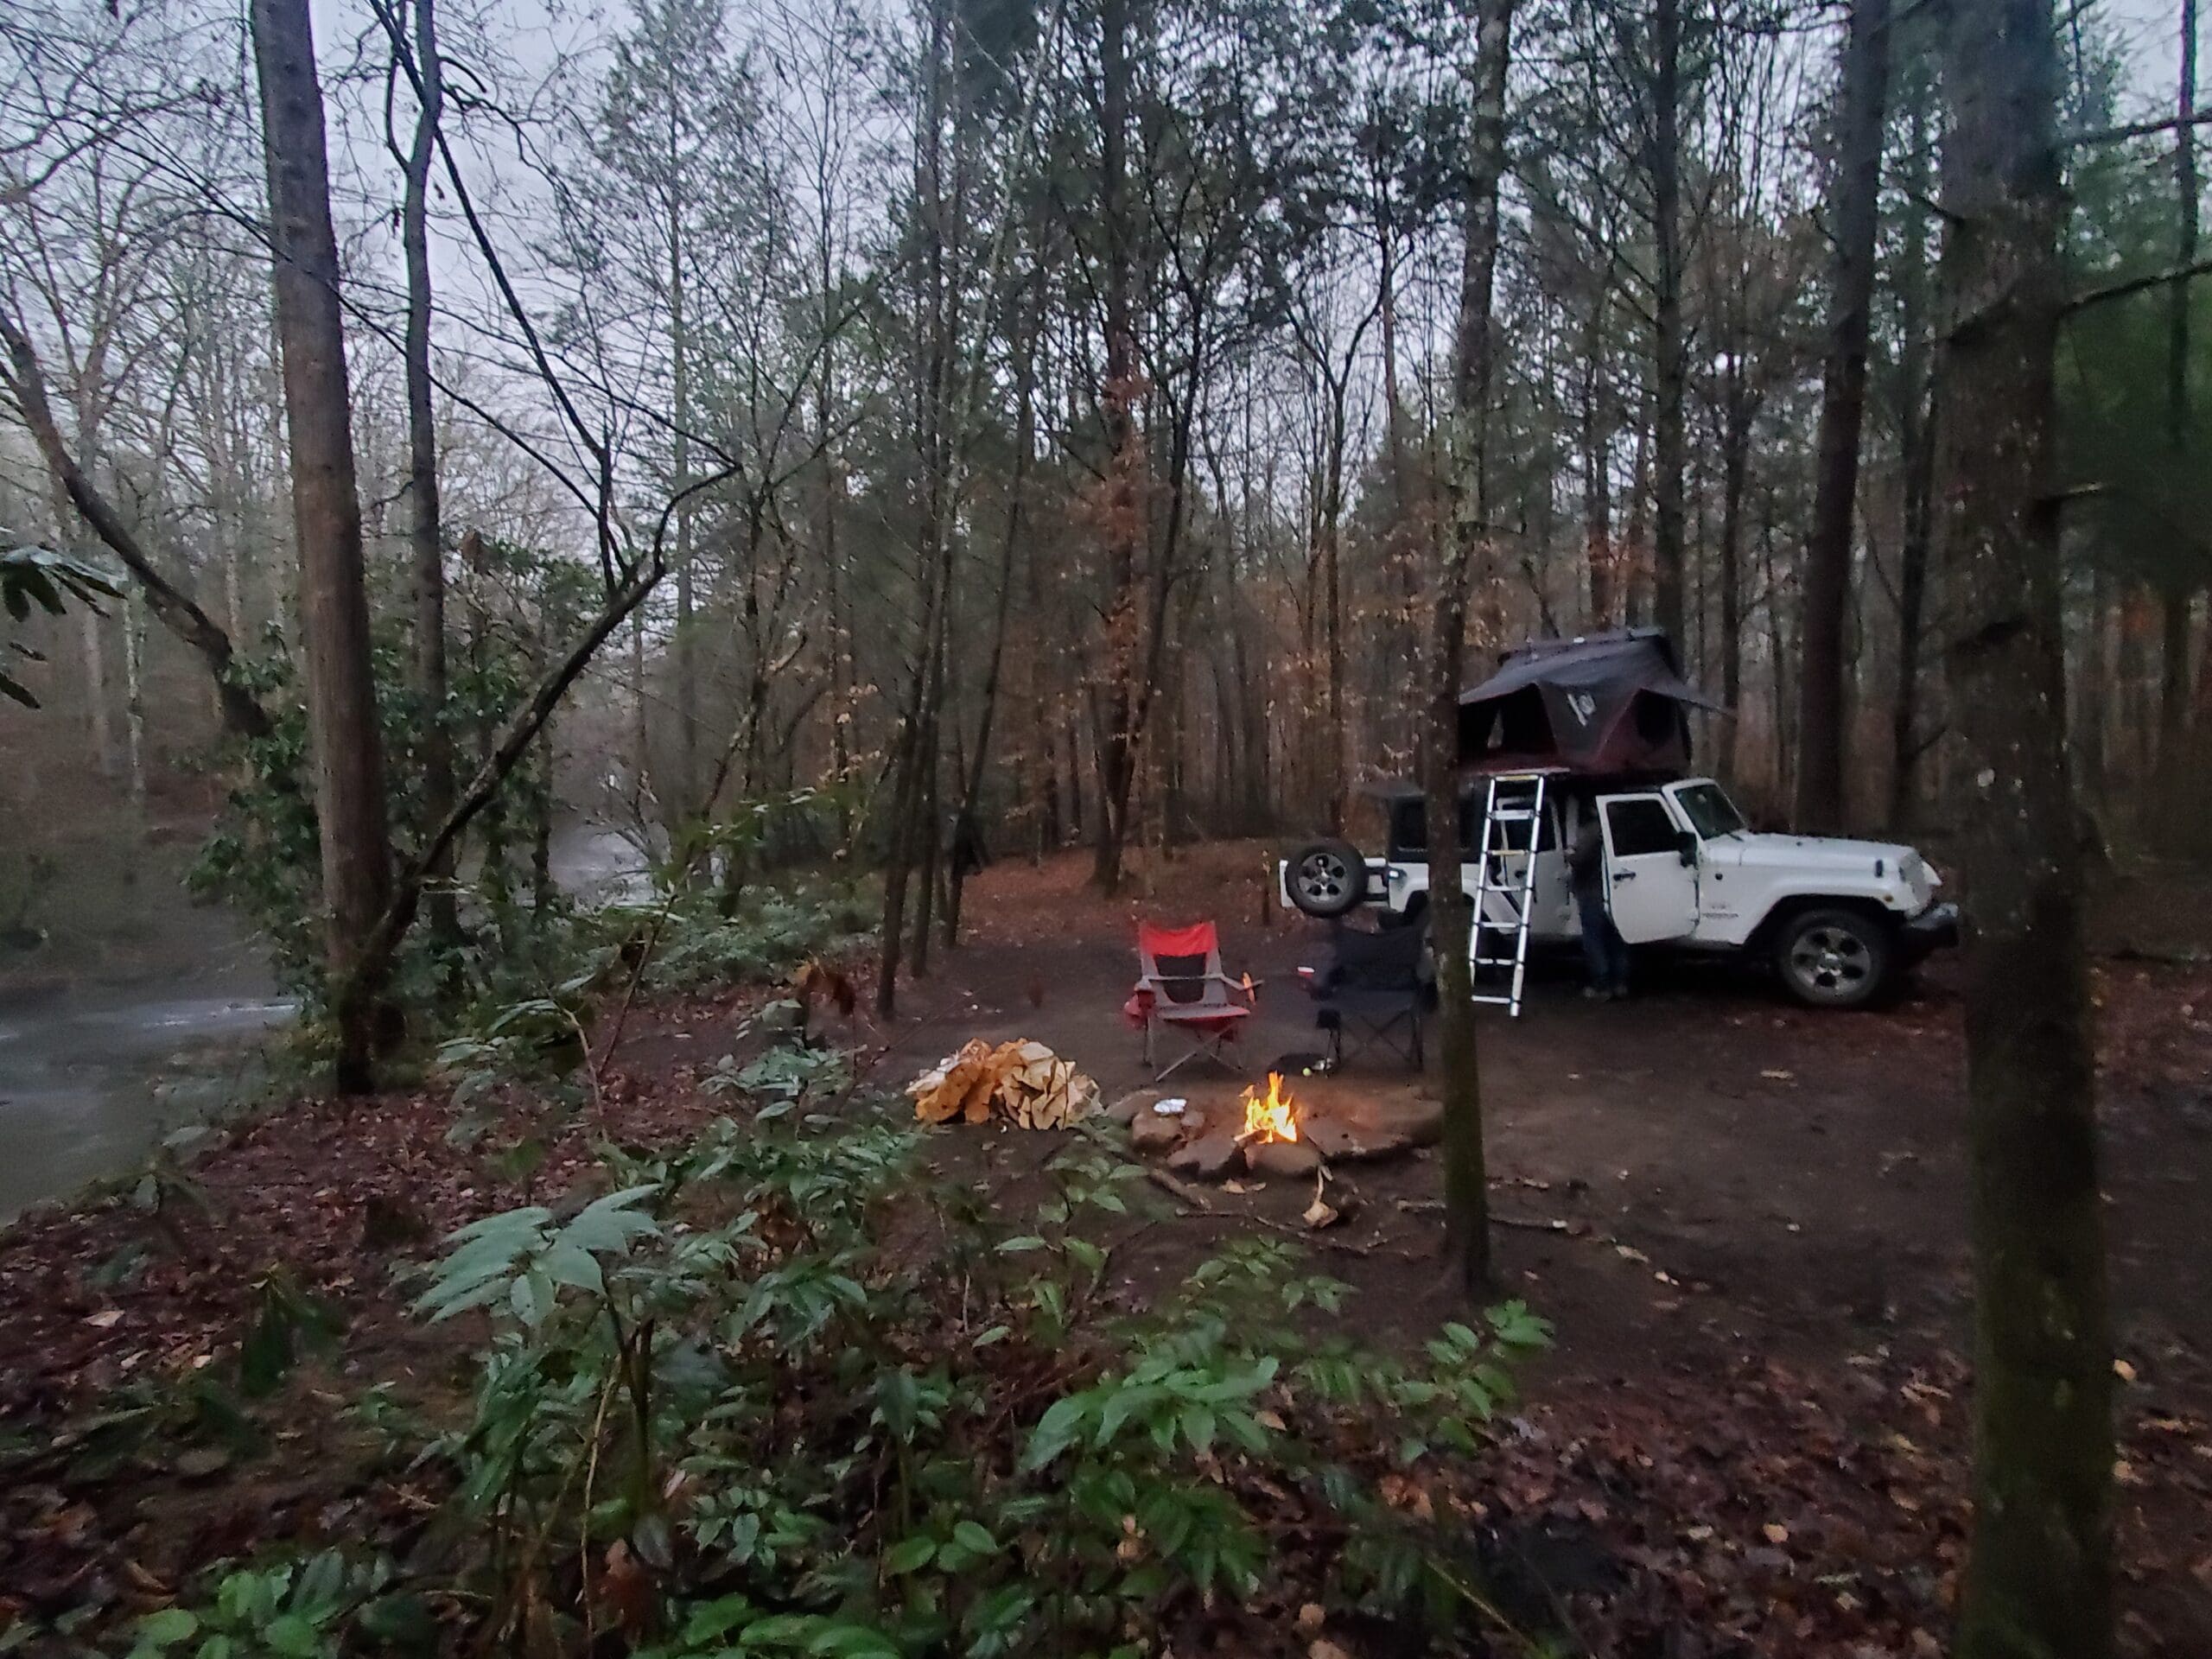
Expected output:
(1807, 852)
(1811, 861)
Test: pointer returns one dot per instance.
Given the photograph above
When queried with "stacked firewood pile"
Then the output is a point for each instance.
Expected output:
(1023, 1082)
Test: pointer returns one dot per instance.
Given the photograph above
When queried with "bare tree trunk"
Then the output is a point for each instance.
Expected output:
(1916, 417)
(425, 529)
(1821, 695)
(2039, 1579)
(914, 751)
(1671, 375)
(99, 716)
(1735, 468)
(326, 512)
(2175, 599)
(967, 831)
(1777, 644)
(1467, 1194)
(1127, 518)
(679, 352)
(1633, 581)
(134, 694)
(1596, 443)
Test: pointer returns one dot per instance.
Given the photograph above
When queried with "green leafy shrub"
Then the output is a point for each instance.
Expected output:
(290, 1611)
(724, 1381)
(779, 1393)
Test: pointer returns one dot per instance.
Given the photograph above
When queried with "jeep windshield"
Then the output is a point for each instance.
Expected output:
(1710, 811)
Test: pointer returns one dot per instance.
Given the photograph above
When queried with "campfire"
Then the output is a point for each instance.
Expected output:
(1271, 1116)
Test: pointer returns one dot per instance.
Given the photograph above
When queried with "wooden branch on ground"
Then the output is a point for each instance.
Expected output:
(1523, 1223)
(1176, 1187)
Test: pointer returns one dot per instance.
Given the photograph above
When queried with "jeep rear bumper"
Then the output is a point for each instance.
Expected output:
(1935, 928)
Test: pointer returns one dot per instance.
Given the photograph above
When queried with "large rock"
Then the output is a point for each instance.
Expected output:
(1378, 1127)
(1150, 1132)
(1335, 1140)
(1209, 1158)
(1128, 1109)
(1283, 1158)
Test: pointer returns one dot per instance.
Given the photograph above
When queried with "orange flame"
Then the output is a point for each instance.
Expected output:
(1271, 1116)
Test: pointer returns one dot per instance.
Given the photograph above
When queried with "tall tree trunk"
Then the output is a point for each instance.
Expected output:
(1127, 525)
(1821, 694)
(327, 517)
(425, 530)
(1777, 644)
(100, 716)
(1669, 440)
(134, 694)
(914, 749)
(1335, 776)
(679, 354)
(967, 831)
(1915, 418)
(1596, 435)
(2038, 1580)
(1735, 470)
(2175, 600)
(1632, 580)
(841, 642)
(1467, 1195)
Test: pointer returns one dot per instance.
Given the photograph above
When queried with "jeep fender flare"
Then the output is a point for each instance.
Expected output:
(1760, 939)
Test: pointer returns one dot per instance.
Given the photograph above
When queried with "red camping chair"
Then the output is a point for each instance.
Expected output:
(1182, 990)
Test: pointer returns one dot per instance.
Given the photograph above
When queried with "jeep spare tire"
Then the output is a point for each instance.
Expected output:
(1326, 878)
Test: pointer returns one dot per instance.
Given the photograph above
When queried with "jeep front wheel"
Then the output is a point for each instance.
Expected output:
(1327, 878)
(1833, 958)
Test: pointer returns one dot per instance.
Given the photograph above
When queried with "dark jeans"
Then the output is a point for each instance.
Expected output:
(1603, 951)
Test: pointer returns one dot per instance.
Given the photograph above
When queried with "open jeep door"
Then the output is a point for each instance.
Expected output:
(1654, 891)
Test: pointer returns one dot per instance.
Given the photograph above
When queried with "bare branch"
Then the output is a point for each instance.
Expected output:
(26, 383)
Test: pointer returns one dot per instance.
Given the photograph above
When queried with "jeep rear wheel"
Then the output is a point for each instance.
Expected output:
(1327, 878)
(1833, 958)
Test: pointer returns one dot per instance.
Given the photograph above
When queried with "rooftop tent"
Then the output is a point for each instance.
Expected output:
(1604, 702)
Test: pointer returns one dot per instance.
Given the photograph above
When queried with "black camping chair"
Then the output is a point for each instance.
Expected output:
(1375, 990)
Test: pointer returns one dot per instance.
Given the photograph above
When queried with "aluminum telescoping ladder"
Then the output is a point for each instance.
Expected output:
(1505, 888)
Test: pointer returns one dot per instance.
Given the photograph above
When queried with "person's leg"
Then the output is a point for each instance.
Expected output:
(1617, 963)
(1597, 952)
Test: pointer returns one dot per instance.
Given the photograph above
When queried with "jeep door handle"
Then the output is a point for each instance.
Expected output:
(1624, 875)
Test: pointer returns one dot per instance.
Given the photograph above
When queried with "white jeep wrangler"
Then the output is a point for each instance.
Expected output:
(1842, 921)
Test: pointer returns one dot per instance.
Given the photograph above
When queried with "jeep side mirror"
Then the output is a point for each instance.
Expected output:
(1686, 845)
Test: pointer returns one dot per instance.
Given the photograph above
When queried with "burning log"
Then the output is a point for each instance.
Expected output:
(1268, 1117)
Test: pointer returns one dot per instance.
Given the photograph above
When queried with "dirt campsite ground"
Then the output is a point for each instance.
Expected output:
(1744, 1221)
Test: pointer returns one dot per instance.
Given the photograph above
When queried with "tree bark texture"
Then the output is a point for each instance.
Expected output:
(1915, 419)
(326, 513)
(1670, 371)
(2175, 601)
(1126, 527)
(1856, 200)
(2039, 1578)
(1466, 1196)
(426, 529)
